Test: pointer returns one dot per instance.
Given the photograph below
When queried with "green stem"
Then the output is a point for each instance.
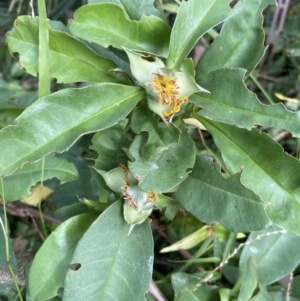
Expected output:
(262, 89)
(205, 246)
(229, 244)
(44, 74)
(4, 209)
(6, 235)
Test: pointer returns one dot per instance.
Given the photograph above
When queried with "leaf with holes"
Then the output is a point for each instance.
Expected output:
(49, 268)
(163, 171)
(112, 264)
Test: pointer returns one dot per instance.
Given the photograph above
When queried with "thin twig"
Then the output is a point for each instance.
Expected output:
(280, 28)
(274, 79)
(155, 292)
(22, 210)
(271, 31)
(36, 227)
(288, 291)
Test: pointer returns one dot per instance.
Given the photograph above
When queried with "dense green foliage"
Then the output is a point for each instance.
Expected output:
(137, 143)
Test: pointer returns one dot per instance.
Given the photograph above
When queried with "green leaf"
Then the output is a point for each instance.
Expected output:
(240, 43)
(183, 285)
(249, 281)
(202, 15)
(108, 144)
(275, 255)
(210, 197)
(135, 8)
(66, 115)
(112, 265)
(164, 170)
(17, 186)
(67, 212)
(49, 268)
(107, 25)
(267, 170)
(70, 60)
(231, 102)
(168, 205)
(160, 136)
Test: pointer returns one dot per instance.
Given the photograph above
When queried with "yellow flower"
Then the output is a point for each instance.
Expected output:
(167, 90)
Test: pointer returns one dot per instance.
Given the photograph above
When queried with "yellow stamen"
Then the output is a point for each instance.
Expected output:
(128, 197)
(176, 106)
(151, 196)
(166, 88)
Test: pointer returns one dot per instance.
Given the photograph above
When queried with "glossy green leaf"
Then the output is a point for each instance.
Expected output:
(202, 15)
(212, 198)
(267, 170)
(112, 264)
(107, 25)
(66, 115)
(67, 212)
(108, 144)
(159, 136)
(50, 265)
(183, 285)
(231, 102)
(240, 43)
(164, 170)
(17, 186)
(135, 8)
(70, 60)
(249, 281)
(275, 255)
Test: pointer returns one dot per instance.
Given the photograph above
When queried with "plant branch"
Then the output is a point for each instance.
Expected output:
(155, 292)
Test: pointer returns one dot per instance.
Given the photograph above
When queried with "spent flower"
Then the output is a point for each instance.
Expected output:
(166, 89)
(138, 204)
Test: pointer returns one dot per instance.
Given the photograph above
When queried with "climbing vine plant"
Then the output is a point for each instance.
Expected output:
(140, 100)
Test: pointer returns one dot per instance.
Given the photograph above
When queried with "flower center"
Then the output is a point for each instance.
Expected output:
(131, 193)
(168, 91)
(166, 88)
